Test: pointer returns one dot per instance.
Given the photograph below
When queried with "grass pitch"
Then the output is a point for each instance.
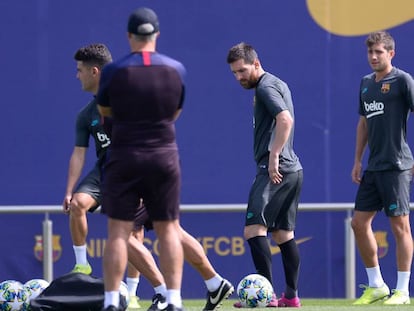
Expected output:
(307, 305)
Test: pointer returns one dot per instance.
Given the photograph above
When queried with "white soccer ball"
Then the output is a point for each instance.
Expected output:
(13, 296)
(35, 287)
(123, 290)
(254, 290)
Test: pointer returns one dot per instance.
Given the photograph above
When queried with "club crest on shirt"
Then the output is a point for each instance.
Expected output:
(385, 88)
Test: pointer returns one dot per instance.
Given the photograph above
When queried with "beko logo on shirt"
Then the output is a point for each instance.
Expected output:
(374, 108)
(103, 138)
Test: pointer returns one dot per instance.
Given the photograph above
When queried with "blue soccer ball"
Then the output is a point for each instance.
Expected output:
(13, 296)
(35, 287)
(254, 290)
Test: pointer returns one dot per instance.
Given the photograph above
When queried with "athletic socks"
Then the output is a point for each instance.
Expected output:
(174, 297)
(291, 263)
(213, 283)
(161, 289)
(262, 258)
(132, 284)
(80, 254)
(374, 277)
(403, 281)
(111, 299)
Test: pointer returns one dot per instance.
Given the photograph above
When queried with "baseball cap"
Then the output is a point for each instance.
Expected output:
(143, 22)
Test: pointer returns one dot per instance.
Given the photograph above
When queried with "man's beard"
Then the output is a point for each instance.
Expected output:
(248, 84)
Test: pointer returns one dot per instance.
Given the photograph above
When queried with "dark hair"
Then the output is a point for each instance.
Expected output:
(94, 55)
(381, 37)
(242, 51)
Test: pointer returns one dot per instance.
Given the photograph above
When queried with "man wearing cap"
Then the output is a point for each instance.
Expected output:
(143, 92)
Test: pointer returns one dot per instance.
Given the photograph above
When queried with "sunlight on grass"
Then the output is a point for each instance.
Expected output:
(307, 305)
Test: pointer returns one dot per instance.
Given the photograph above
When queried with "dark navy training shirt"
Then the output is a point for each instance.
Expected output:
(386, 106)
(272, 96)
(88, 124)
(144, 90)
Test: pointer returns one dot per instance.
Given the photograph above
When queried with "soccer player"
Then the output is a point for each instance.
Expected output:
(386, 98)
(86, 196)
(274, 196)
(143, 92)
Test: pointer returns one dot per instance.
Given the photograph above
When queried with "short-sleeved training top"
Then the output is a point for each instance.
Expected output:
(272, 96)
(386, 106)
(144, 90)
(88, 124)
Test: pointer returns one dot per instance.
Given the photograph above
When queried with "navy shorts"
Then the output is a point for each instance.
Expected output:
(142, 219)
(274, 205)
(388, 190)
(153, 175)
(90, 184)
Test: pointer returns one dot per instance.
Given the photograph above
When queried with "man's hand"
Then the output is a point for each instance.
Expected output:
(274, 174)
(356, 173)
(66, 204)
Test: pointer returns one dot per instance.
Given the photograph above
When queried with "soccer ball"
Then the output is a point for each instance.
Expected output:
(35, 287)
(13, 296)
(254, 290)
(123, 290)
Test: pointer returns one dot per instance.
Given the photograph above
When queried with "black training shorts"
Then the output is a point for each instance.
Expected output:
(151, 175)
(274, 205)
(388, 190)
(90, 184)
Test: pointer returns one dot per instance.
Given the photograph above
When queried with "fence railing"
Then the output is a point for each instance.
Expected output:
(47, 230)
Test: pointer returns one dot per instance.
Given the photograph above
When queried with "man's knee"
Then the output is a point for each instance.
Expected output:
(167, 229)
(400, 226)
(252, 231)
(282, 236)
(81, 203)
